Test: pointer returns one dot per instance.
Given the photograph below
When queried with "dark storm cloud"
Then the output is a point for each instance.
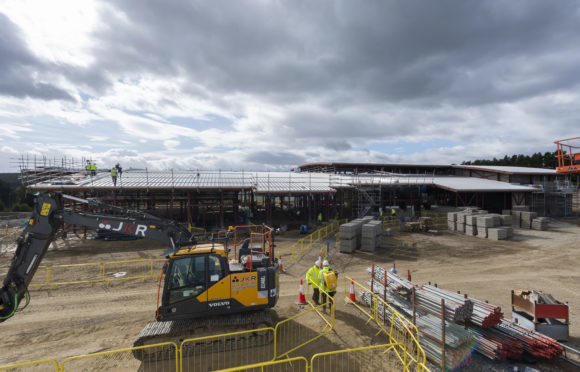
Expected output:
(463, 53)
(21, 73)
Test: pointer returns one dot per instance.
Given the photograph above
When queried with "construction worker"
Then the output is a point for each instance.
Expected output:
(327, 280)
(320, 217)
(393, 213)
(114, 175)
(381, 212)
(119, 169)
(88, 168)
(94, 169)
(312, 280)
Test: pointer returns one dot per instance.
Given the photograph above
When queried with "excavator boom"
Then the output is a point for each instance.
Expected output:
(49, 216)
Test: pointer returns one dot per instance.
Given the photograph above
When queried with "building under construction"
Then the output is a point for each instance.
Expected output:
(308, 193)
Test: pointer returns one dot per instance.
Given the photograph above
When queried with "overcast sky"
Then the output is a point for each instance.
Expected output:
(267, 85)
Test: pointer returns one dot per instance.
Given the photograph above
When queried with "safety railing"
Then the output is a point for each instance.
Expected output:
(400, 332)
(157, 357)
(228, 350)
(298, 364)
(369, 358)
(107, 272)
(299, 247)
(40, 365)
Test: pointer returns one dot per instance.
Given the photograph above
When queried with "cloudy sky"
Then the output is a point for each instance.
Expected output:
(267, 85)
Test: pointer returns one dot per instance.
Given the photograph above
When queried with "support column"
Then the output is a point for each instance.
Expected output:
(222, 224)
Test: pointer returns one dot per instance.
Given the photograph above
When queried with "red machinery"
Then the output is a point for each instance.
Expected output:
(568, 155)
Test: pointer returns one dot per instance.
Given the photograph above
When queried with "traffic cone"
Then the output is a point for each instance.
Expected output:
(394, 269)
(301, 297)
(408, 275)
(351, 295)
(280, 264)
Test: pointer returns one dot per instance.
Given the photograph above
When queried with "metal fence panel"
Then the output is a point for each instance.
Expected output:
(40, 366)
(371, 358)
(299, 364)
(159, 357)
(227, 350)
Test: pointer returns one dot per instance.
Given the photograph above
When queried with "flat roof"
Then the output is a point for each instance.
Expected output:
(509, 169)
(267, 182)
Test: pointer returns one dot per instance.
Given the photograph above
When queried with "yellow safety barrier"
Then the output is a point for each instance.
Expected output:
(291, 335)
(227, 350)
(400, 332)
(39, 365)
(298, 364)
(308, 241)
(368, 358)
(57, 275)
(158, 357)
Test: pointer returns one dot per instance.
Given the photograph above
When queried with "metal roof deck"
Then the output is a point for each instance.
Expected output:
(267, 182)
(508, 169)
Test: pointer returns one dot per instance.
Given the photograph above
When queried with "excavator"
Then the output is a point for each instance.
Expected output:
(203, 288)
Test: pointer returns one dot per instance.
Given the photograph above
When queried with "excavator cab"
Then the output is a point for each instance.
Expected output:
(202, 280)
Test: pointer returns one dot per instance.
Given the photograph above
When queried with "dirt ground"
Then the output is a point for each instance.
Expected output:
(82, 319)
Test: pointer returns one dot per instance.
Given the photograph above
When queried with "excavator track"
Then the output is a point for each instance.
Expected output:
(178, 330)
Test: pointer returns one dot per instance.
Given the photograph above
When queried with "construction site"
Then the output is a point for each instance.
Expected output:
(437, 268)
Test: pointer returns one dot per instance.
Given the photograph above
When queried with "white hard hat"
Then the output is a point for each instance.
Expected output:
(317, 263)
(325, 263)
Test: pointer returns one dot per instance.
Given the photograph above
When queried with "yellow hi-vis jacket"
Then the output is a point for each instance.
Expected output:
(93, 167)
(322, 282)
(113, 172)
(312, 275)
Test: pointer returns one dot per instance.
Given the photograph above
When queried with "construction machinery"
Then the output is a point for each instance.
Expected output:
(568, 155)
(198, 279)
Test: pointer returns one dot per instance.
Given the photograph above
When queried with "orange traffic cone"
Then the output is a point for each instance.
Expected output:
(280, 264)
(301, 297)
(351, 295)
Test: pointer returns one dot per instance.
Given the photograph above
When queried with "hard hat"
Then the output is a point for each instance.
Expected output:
(325, 263)
(317, 263)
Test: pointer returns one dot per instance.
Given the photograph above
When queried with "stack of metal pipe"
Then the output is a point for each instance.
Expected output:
(496, 345)
(534, 343)
(483, 315)
(455, 311)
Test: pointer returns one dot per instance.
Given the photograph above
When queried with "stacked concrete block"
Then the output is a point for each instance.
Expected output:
(506, 212)
(526, 219)
(482, 231)
(540, 223)
(471, 220)
(506, 220)
(489, 220)
(497, 233)
(349, 237)
(470, 230)
(452, 225)
(517, 219)
(452, 216)
(372, 234)
(509, 231)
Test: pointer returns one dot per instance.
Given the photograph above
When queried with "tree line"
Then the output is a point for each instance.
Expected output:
(537, 160)
(14, 198)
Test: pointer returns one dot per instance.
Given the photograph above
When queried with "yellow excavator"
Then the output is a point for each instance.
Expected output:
(217, 285)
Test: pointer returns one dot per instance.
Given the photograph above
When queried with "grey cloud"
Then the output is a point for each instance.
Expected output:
(21, 73)
(415, 51)
(274, 158)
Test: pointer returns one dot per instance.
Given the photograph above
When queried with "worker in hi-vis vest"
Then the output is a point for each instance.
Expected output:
(312, 280)
(114, 176)
(328, 281)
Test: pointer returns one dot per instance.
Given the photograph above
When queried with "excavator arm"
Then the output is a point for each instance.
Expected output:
(49, 216)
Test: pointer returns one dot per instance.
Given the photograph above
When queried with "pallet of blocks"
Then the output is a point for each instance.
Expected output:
(350, 235)
(372, 235)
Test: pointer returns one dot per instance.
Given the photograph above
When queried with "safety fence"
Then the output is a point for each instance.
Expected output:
(264, 349)
(299, 247)
(401, 333)
(91, 273)
(207, 353)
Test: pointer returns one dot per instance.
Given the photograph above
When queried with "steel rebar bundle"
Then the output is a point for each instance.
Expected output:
(495, 344)
(484, 315)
